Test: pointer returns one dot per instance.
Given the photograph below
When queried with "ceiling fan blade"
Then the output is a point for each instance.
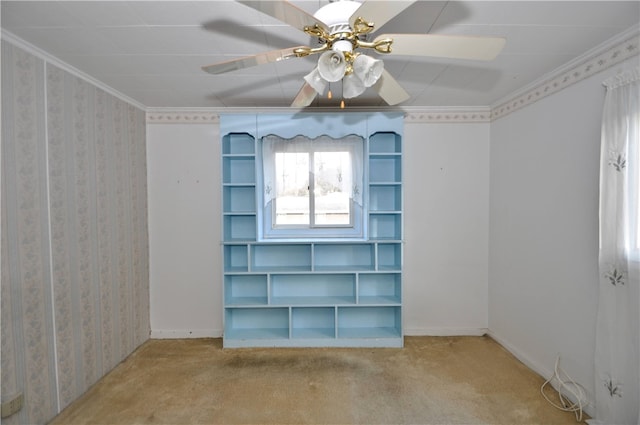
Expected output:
(249, 61)
(305, 96)
(379, 12)
(286, 12)
(445, 46)
(389, 89)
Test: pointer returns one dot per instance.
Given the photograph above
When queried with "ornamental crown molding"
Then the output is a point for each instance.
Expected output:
(605, 56)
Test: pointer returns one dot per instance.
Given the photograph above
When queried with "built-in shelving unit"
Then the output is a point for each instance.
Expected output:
(312, 292)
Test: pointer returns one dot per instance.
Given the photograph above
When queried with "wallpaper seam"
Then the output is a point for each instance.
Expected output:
(49, 257)
(111, 155)
(95, 270)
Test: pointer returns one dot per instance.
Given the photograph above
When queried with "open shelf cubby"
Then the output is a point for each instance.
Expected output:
(313, 322)
(369, 322)
(313, 289)
(239, 170)
(379, 288)
(238, 144)
(385, 142)
(389, 256)
(324, 292)
(239, 199)
(257, 323)
(281, 257)
(385, 226)
(385, 197)
(240, 227)
(247, 289)
(384, 168)
(344, 256)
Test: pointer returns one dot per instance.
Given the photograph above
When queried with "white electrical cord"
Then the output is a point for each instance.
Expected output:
(565, 383)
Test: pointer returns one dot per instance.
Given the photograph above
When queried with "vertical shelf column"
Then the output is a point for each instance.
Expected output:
(239, 187)
(379, 314)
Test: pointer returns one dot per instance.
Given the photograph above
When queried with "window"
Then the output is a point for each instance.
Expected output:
(312, 187)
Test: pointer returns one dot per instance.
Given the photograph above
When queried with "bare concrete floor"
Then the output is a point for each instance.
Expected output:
(433, 380)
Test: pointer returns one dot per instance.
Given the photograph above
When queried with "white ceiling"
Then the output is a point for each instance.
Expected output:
(152, 51)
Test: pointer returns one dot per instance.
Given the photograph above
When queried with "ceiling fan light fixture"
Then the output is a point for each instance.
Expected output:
(332, 66)
(315, 80)
(352, 86)
(368, 69)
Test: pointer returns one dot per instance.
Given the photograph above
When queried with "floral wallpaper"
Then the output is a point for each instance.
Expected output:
(75, 279)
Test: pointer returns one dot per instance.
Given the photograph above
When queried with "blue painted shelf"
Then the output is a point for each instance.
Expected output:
(328, 293)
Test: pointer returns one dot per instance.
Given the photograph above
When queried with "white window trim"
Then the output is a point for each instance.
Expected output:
(271, 144)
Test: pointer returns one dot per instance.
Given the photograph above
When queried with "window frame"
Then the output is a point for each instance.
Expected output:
(268, 230)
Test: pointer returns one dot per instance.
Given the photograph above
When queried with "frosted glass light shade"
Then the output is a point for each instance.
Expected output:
(352, 86)
(315, 80)
(332, 65)
(368, 69)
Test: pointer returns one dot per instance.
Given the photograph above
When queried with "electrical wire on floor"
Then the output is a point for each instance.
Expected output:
(565, 384)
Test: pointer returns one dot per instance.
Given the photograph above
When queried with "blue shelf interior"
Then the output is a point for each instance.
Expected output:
(313, 322)
(281, 257)
(257, 323)
(384, 226)
(245, 290)
(385, 198)
(389, 256)
(236, 258)
(345, 256)
(384, 168)
(239, 199)
(379, 288)
(240, 227)
(239, 169)
(385, 142)
(238, 144)
(313, 289)
(369, 322)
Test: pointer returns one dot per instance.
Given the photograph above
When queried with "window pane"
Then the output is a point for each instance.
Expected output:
(292, 188)
(332, 179)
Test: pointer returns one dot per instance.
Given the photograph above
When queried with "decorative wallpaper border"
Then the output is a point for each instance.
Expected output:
(182, 117)
(444, 115)
(449, 116)
(589, 65)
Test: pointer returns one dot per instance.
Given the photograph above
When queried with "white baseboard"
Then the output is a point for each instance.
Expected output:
(445, 331)
(185, 334)
(541, 370)
(531, 364)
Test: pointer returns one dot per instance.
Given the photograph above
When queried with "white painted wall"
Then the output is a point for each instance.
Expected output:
(183, 162)
(446, 220)
(446, 211)
(543, 267)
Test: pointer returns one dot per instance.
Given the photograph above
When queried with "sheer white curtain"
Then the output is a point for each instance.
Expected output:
(352, 143)
(617, 363)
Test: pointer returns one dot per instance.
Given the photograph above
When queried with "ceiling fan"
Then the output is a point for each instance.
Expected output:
(343, 29)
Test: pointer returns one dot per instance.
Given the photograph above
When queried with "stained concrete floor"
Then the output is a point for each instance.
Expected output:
(432, 380)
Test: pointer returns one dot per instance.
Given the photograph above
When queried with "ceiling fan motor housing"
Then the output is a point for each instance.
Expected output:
(336, 16)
